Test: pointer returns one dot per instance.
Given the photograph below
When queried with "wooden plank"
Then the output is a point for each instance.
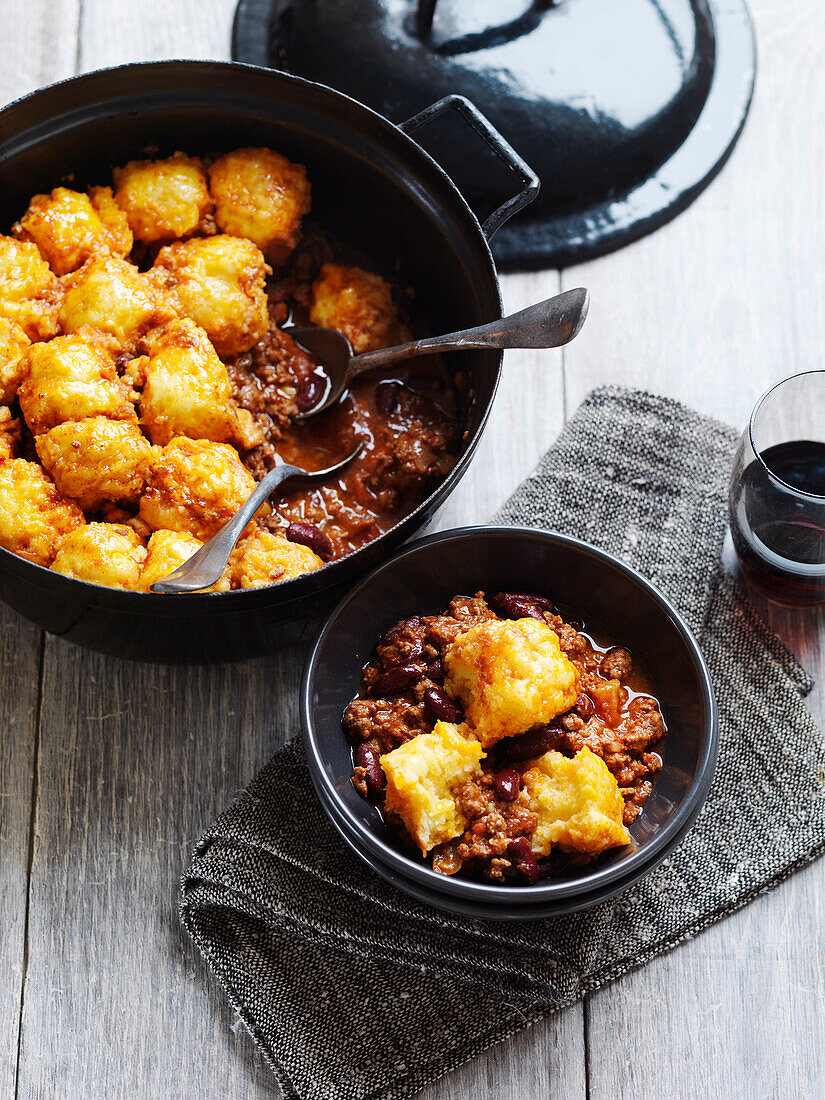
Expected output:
(43, 48)
(712, 310)
(20, 661)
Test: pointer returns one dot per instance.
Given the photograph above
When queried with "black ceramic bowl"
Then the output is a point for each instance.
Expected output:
(372, 185)
(615, 602)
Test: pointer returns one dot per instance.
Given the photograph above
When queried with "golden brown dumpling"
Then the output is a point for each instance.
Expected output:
(70, 227)
(34, 515)
(187, 390)
(163, 199)
(195, 486)
(219, 283)
(262, 196)
(102, 553)
(167, 551)
(70, 378)
(29, 290)
(264, 558)
(13, 346)
(359, 304)
(111, 295)
(96, 460)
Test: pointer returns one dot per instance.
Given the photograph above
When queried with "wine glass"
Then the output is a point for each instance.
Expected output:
(777, 492)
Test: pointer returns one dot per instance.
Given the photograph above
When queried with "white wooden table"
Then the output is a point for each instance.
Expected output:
(108, 772)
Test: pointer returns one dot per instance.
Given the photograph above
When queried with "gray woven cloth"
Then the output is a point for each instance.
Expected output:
(354, 990)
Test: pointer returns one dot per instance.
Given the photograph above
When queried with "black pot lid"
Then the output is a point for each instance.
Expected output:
(626, 109)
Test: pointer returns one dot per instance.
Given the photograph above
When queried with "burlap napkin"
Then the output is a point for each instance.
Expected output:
(353, 989)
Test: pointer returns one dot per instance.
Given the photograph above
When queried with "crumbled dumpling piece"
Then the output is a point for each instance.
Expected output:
(423, 774)
(30, 292)
(510, 675)
(111, 295)
(167, 550)
(70, 227)
(163, 199)
(196, 486)
(96, 460)
(219, 283)
(34, 515)
(9, 434)
(186, 388)
(263, 558)
(577, 801)
(261, 196)
(13, 346)
(71, 378)
(102, 553)
(359, 304)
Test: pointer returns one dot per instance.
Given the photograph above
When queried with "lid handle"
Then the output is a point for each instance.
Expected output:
(503, 150)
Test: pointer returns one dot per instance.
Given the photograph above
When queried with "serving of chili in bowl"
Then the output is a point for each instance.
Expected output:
(480, 680)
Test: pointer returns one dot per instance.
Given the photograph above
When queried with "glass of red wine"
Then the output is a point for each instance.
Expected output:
(777, 492)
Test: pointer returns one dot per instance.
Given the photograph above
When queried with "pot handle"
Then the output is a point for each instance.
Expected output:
(503, 150)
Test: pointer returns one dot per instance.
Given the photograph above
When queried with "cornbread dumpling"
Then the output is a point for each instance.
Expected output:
(359, 304)
(186, 388)
(194, 486)
(69, 227)
(13, 346)
(510, 675)
(96, 460)
(264, 558)
(71, 378)
(34, 515)
(422, 776)
(102, 553)
(9, 434)
(219, 283)
(163, 199)
(30, 292)
(578, 803)
(262, 196)
(111, 295)
(166, 552)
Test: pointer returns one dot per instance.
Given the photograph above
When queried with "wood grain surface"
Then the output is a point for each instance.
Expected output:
(109, 770)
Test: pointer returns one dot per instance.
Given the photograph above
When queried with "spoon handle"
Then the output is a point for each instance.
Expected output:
(548, 324)
(205, 566)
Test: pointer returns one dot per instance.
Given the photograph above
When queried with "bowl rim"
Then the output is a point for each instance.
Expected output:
(328, 575)
(547, 892)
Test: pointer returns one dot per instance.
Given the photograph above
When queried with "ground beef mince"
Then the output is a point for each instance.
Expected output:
(402, 694)
(407, 423)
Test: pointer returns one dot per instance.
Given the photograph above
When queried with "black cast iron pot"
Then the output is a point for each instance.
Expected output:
(372, 185)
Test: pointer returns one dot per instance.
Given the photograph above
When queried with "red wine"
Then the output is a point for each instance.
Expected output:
(779, 532)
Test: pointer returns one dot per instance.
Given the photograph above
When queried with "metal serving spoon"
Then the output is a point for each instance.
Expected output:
(548, 324)
(205, 566)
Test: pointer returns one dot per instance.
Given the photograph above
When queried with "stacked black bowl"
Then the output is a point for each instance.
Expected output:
(611, 598)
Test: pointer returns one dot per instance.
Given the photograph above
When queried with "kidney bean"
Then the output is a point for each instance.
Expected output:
(584, 707)
(396, 629)
(386, 397)
(441, 706)
(521, 853)
(549, 865)
(507, 783)
(435, 671)
(309, 535)
(512, 605)
(535, 743)
(367, 757)
(395, 681)
(309, 392)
